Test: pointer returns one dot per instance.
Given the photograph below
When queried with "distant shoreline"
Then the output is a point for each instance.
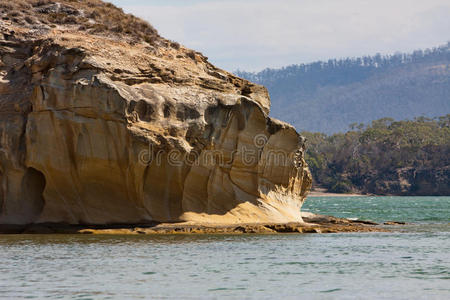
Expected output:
(320, 192)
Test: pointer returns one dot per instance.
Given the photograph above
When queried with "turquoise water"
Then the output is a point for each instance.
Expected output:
(422, 210)
(413, 262)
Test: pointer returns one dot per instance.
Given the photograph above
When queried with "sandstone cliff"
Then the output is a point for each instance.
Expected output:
(102, 124)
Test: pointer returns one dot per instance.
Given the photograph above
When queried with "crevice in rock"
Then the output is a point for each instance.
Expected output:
(1, 192)
(33, 185)
(185, 112)
(144, 110)
(168, 110)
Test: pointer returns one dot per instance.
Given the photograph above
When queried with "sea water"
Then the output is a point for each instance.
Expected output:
(411, 262)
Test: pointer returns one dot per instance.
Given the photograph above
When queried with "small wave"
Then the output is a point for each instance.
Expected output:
(149, 273)
(331, 291)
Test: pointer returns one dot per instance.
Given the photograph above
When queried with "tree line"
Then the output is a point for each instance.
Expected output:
(386, 157)
(326, 96)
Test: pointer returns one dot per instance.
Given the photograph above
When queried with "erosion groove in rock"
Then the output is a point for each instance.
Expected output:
(100, 129)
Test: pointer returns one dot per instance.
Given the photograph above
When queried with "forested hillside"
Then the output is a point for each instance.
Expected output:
(385, 158)
(328, 96)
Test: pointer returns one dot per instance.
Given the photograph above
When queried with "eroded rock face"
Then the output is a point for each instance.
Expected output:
(95, 130)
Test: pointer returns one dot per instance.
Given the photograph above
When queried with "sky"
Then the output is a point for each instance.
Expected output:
(251, 35)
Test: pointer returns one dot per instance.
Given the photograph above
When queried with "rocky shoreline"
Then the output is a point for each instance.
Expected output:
(312, 224)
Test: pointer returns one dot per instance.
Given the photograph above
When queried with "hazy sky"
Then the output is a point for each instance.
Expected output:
(255, 34)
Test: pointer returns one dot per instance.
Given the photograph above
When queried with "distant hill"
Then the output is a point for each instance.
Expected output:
(329, 96)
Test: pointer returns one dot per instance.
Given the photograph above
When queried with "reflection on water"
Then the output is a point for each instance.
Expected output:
(411, 263)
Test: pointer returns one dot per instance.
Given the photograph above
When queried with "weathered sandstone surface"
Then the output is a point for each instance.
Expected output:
(98, 129)
(312, 224)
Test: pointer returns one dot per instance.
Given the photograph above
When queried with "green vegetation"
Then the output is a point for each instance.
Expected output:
(386, 157)
(327, 96)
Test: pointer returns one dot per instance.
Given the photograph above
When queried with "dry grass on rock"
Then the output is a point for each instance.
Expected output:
(91, 16)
